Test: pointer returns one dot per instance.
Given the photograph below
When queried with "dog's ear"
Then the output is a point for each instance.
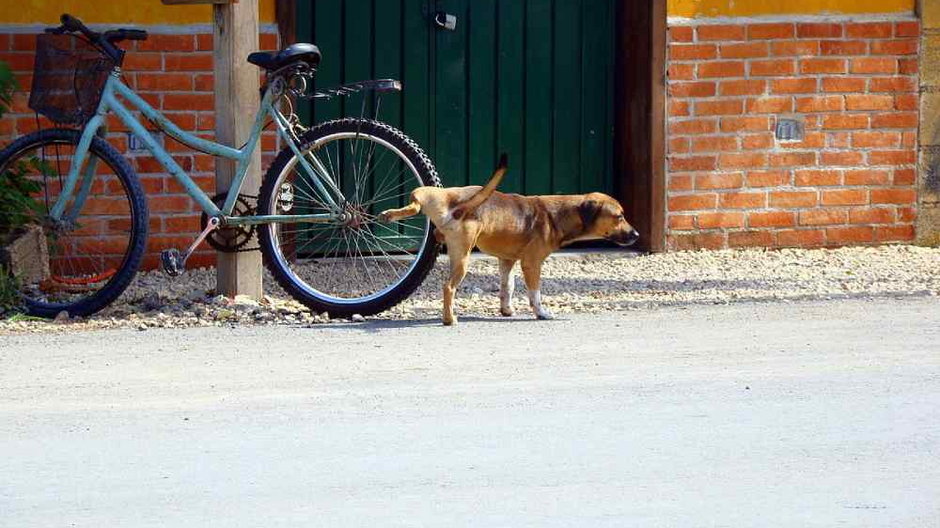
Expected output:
(588, 210)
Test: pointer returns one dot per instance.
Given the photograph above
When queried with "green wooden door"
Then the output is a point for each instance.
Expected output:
(529, 77)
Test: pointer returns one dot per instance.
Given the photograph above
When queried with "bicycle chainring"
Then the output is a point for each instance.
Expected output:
(231, 239)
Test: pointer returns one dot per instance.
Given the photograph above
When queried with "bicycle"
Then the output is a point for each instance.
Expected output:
(315, 216)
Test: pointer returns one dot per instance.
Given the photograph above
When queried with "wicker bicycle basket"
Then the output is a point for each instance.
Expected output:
(68, 78)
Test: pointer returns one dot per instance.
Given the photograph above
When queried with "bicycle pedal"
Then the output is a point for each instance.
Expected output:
(171, 260)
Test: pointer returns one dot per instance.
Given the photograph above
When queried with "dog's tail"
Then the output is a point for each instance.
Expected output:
(475, 201)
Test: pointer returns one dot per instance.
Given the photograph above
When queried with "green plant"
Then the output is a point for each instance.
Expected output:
(9, 292)
(17, 207)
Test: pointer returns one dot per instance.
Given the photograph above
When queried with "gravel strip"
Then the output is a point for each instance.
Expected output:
(572, 282)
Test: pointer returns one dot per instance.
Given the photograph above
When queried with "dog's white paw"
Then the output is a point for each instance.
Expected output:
(544, 316)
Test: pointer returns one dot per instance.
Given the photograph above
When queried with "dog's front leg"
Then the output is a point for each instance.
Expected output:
(532, 274)
(507, 284)
(459, 257)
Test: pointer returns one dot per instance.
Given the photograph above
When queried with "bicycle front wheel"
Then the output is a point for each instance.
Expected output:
(354, 264)
(83, 259)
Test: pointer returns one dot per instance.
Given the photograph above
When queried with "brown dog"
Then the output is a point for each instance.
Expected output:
(512, 228)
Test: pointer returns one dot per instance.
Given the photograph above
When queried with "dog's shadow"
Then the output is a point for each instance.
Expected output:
(379, 325)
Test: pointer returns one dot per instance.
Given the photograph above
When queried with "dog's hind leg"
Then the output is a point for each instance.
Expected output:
(507, 284)
(532, 274)
(393, 215)
(459, 256)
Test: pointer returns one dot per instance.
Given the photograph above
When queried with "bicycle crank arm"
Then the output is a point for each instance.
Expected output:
(174, 262)
(284, 219)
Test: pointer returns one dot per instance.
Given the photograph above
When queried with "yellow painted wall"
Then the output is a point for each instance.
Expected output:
(730, 8)
(114, 12)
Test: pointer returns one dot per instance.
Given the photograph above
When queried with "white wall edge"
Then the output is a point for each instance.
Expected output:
(769, 19)
(157, 29)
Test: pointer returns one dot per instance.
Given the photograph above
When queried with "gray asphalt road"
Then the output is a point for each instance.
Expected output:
(815, 414)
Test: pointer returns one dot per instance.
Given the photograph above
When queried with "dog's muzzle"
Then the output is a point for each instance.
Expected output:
(625, 239)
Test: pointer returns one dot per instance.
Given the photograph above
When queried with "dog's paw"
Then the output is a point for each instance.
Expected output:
(506, 312)
(384, 217)
(449, 321)
(544, 316)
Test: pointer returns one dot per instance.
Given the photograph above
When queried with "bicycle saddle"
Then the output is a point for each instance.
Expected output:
(301, 51)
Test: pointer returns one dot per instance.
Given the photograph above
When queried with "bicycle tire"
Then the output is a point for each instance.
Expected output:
(279, 268)
(121, 277)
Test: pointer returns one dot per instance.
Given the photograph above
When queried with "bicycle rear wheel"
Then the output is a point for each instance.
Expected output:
(355, 265)
(84, 260)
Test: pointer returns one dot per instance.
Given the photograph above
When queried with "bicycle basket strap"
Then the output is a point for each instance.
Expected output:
(68, 78)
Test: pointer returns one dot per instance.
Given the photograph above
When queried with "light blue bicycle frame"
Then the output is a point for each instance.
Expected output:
(327, 189)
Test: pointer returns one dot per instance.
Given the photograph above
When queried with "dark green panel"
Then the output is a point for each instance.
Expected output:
(388, 59)
(328, 36)
(539, 87)
(510, 75)
(566, 104)
(450, 153)
(595, 93)
(481, 83)
(416, 73)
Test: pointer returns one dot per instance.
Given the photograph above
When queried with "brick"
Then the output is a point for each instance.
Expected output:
(268, 41)
(902, 233)
(815, 217)
(907, 29)
(892, 157)
(188, 61)
(164, 82)
(838, 140)
(873, 65)
(18, 61)
(878, 215)
(696, 241)
(204, 42)
(769, 105)
(772, 68)
(794, 48)
(869, 30)
(680, 34)
(692, 51)
(682, 222)
(907, 66)
(714, 143)
(692, 89)
(721, 219)
(162, 42)
(693, 126)
(679, 145)
(801, 238)
(736, 160)
(143, 62)
(678, 108)
(737, 124)
(844, 197)
(751, 239)
(181, 224)
(21, 42)
(818, 30)
(845, 121)
(719, 181)
(843, 47)
(909, 138)
(787, 86)
(906, 102)
(681, 71)
(893, 84)
(189, 101)
(768, 178)
(204, 82)
(184, 120)
(715, 69)
(840, 158)
(742, 200)
(680, 182)
(907, 214)
(742, 87)
(170, 204)
(744, 50)
(867, 177)
(757, 141)
(817, 177)
(205, 122)
(770, 31)
(876, 139)
(815, 66)
(904, 177)
(894, 47)
(893, 196)
(771, 219)
(721, 107)
(721, 32)
(849, 235)
(695, 163)
(792, 199)
(827, 103)
(692, 202)
(843, 84)
(789, 159)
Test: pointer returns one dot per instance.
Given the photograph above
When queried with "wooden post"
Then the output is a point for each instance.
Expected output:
(236, 100)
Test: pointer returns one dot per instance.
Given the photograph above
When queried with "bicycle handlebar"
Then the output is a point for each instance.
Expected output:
(105, 40)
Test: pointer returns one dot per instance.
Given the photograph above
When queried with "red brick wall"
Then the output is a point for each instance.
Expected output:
(173, 72)
(849, 181)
